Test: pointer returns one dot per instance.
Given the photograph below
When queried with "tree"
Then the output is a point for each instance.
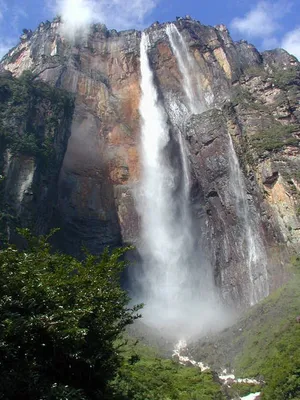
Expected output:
(59, 322)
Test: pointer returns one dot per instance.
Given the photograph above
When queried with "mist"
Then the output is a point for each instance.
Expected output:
(176, 281)
(78, 15)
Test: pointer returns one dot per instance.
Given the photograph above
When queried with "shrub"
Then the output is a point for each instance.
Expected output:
(285, 77)
(274, 139)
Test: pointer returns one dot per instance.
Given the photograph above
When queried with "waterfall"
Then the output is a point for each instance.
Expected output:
(255, 256)
(252, 248)
(197, 97)
(195, 103)
(191, 85)
(174, 287)
(186, 175)
(162, 244)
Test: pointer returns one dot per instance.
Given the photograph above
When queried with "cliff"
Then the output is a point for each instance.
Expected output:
(253, 99)
(35, 121)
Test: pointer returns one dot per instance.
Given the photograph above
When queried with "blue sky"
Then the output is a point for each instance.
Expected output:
(267, 24)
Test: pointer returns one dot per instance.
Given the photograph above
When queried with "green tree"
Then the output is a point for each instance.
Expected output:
(59, 322)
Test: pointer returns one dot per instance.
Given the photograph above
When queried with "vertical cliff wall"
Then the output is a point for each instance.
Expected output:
(35, 121)
(252, 97)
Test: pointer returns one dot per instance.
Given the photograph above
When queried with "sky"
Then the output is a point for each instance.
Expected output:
(266, 24)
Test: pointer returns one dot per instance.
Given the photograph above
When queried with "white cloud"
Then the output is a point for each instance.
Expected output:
(258, 22)
(77, 15)
(263, 22)
(291, 42)
(263, 19)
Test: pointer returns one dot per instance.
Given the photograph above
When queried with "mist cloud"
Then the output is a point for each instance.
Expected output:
(78, 15)
(262, 20)
(291, 42)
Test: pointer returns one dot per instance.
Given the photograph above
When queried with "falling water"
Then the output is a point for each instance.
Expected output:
(186, 174)
(255, 255)
(191, 85)
(195, 104)
(161, 245)
(198, 98)
(174, 289)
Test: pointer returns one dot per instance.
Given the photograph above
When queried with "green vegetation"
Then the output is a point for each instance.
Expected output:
(146, 376)
(243, 97)
(243, 389)
(274, 139)
(60, 319)
(61, 335)
(281, 77)
(256, 70)
(5, 213)
(35, 121)
(264, 343)
(286, 77)
(271, 346)
(31, 112)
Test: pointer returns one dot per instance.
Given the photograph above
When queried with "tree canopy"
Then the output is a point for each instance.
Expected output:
(60, 319)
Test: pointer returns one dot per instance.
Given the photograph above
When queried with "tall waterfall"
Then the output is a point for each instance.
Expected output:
(174, 289)
(252, 248)
(162, 246)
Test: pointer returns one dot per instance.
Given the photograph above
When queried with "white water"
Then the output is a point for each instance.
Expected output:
(198, 98)
(181, 354)
(196, 104)
(255, 256)
(162, 244)
(251, 396)
(176, 287)
(181, 347)
(26, 179)
(186, 172)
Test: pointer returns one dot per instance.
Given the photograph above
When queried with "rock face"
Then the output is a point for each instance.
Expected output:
(253, 97)
(35, 121)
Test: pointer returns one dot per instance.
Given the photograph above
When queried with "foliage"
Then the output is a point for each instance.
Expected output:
(271, 347)
(31, 112)
(243, 389)
(59, 322)
(35, 122)
(241, 96)
(286, 77)
(282, 77)
(275, 138)
(5, 214)
(256, 70)
(61, 333)
(145, 376)
(264, 342)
